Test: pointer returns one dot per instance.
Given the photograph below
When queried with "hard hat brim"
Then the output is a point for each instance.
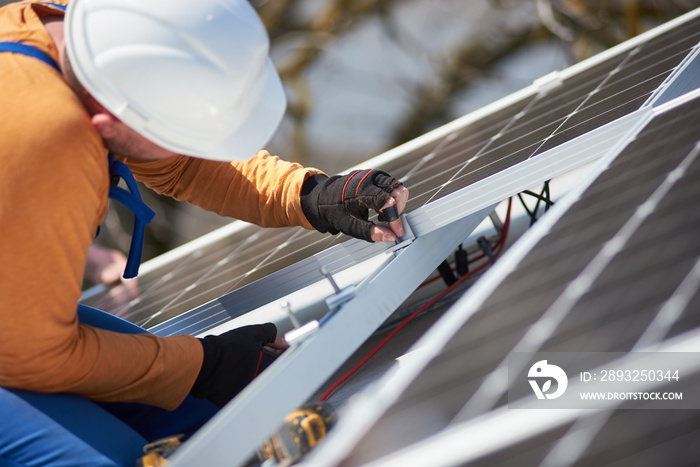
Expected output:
(257, 130)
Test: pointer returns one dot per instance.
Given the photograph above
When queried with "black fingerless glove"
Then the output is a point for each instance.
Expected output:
(341, 203)
(232, 360)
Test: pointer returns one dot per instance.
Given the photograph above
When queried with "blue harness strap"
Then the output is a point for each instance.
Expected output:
(57, 5)
(143, 215)
(130, 198)
(30, 51)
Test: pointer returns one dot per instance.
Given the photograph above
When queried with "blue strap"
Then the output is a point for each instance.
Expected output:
(29, 50)
(55, 5)
(143, 215)
(60, 7)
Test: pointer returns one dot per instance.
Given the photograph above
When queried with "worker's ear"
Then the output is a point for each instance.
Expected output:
(105, 124)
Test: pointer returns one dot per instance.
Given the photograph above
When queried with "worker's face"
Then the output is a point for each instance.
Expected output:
(124, 141)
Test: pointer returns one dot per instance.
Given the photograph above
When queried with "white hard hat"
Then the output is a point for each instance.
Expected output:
(192, 76)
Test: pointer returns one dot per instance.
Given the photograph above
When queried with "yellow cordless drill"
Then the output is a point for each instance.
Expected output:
(302, 430)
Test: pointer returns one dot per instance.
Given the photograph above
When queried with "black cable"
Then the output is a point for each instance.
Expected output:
(461, 261)
(544, 196)
(446, 273)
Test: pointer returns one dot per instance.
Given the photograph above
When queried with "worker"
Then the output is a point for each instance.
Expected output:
(182, 95)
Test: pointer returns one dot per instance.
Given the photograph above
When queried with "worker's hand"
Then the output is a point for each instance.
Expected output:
(234, 359)
(342, 203)
(104, 265)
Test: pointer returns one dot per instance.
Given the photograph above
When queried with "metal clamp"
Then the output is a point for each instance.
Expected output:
(341, 295)
(407, 238)
(299, 333)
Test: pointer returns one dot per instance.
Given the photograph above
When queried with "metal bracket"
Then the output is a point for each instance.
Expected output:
(407, 239)
(341, 295)
(334, 302)
(548, 82)
(299, 333)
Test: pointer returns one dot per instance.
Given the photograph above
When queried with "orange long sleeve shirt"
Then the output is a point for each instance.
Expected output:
(54, 184)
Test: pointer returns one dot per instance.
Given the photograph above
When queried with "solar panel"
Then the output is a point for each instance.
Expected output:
(543, 117)
(504, 148)
(618, 270)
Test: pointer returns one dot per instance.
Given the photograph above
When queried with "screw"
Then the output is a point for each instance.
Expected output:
(288, 308)
(326, 272)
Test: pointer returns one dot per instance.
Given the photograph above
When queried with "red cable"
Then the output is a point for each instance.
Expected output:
(497, 250)
(257, 368)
